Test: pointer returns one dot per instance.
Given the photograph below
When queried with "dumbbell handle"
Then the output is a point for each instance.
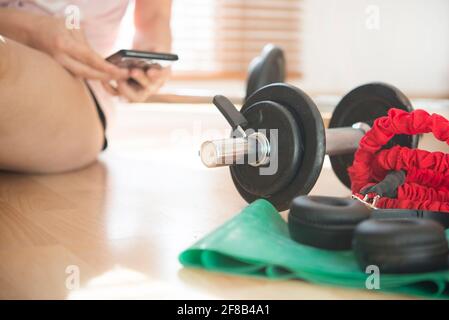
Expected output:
(253, 149)
(256, 147)
(346, 139)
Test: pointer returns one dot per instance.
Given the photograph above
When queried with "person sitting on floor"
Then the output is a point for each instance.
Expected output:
(55, 84)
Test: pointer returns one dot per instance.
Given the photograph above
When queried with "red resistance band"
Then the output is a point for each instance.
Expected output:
(426, 185)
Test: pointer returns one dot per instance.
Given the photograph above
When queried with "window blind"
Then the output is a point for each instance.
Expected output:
(218, 38)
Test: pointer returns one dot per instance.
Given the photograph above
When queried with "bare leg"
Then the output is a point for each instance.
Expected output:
(48, 120)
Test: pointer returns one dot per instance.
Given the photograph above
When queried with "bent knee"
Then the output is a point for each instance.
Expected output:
(55, 156)
(74, 153)
(78, 157)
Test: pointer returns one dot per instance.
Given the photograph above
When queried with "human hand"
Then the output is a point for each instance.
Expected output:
(70, 48)
(144, 84)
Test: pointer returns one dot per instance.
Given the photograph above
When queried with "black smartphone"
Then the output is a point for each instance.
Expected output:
(134, 59)
(141, 59)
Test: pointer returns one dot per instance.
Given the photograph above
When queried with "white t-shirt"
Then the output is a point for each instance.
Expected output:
(100, 21)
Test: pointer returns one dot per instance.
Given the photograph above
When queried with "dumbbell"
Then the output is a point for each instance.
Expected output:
(268, 67)
(280, 126)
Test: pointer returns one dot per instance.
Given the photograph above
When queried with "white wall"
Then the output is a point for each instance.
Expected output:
(343, 48)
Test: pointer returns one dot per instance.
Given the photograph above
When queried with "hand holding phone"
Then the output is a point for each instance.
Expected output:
(134, 59)
(148, 72)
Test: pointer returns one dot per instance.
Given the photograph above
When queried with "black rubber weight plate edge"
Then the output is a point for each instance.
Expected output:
(265, 69)
(271, 115)
(378, 90)
(312, 130)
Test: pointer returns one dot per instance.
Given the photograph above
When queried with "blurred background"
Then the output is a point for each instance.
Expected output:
(331, 46)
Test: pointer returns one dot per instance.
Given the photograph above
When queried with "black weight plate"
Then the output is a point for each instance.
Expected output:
(401, 245)
(268, 115)
(365, 104)
(312, 144)
(269, 67)
(325, 222)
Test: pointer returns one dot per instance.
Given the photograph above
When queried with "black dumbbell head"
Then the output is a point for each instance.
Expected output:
(269, 67)
(325, 222)
(300, 145)
(365, 104)
(401, 245)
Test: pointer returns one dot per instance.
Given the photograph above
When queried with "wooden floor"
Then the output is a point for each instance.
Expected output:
(121, 223)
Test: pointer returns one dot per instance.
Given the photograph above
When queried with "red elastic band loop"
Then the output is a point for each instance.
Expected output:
(427, 179)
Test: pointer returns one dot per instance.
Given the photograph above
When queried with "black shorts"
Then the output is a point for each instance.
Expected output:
(100, 115)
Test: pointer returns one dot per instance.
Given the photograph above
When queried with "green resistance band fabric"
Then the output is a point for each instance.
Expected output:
(256, 242)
